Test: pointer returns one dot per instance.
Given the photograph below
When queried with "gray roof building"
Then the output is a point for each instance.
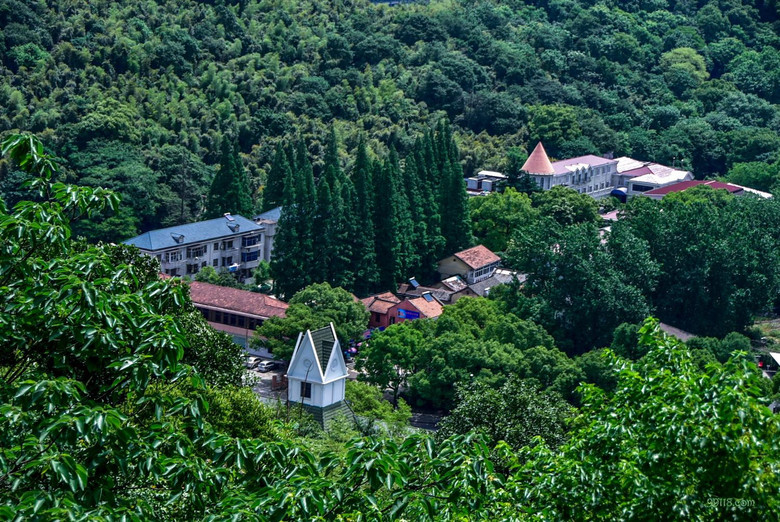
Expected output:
(270, 215)
(181, 235)
(232, 243)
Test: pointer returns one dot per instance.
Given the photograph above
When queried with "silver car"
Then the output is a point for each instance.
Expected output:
(266, 366)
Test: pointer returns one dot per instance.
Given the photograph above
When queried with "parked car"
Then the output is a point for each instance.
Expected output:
(252, 362)
(267, 366)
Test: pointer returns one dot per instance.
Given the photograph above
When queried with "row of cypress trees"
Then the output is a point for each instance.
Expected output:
(386, 221)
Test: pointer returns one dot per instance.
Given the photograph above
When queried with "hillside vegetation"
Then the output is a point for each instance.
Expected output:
(138, 95)
(106, 412)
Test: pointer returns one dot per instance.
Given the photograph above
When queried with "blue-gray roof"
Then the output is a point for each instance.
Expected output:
(194, 233)
(271, 215)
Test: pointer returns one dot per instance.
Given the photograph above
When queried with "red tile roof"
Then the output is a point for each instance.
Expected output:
(684, 185)
(477, 257)
(429, 309)
(538, 162)
(380, 303)
(236, 300)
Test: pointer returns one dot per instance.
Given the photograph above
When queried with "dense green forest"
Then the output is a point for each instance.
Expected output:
(139, 96)
(117, 401)
(564, 402)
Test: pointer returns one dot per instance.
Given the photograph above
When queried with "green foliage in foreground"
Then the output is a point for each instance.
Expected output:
(88, 431)
(667, 441)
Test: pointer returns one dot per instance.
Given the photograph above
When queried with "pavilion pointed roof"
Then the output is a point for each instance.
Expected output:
(538, 162)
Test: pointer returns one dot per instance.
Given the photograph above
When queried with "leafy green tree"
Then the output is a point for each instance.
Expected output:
(755, 174)
(554, 125)
(120, 167)
(218, 360)
(577, 276)
(567, 206)
(726, 273)
(209, 274)
(495, 218)
(625, 342)
(262, 274)
(366, 401)
(687, 59)
(710, 416)
(389, 357)
(313, 307)
(721, 349)
(515, 413)
(597, 368)
(184, 182)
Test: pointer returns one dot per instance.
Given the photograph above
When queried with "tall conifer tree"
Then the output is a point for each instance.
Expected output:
(385, 226)
(431, 250)
(364, 254)
(306, 197)
(402, 235)
(274, 186)
(230, 189)
(453, 201)
(287, 266)
(323, 241)
(344, 232)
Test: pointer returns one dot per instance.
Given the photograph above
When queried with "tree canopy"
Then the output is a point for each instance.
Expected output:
(169, 83)
(314, 307)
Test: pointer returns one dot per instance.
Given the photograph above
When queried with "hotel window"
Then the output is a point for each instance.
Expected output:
(172, 256)
(228, 245)
(227, 261)
(306, 390)
(216, 247)
(215, 263)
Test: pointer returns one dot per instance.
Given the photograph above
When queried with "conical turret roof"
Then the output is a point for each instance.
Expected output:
(538, 162)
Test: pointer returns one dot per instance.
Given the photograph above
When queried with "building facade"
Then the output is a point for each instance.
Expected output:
(473, 264)
(591, 175)
(598, 177)
(234, 311)
(231, 242)
(269, 221)
(317, 374)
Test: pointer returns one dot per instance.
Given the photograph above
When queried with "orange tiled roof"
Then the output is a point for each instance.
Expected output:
(236, 300)
(430, 309)
(380, 303)
(538, 162)
(477, 257)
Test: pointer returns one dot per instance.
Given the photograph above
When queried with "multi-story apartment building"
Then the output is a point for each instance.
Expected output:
(232, 242)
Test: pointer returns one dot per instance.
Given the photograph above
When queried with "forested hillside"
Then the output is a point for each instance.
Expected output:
(139, 95)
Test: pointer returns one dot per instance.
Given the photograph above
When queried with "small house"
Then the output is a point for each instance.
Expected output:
(317, 375)
(474, 264)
